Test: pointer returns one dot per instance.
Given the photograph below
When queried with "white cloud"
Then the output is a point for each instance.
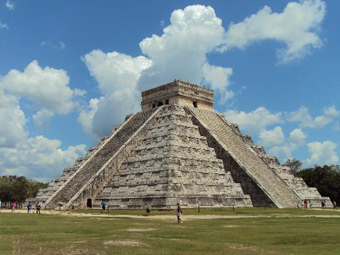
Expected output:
(322, 153)
(296, 27)
(38, 158)
(331, 111)
(254, 122)
(42, 118)
(271, 137)
(46, 87)
(180, 52)
(285, 150)
(336, 126)
(117, 76)
(3, 25)
(12, 119)
(303, 116)
(298, 137)
(10, 5)
(54, 45)
(218, 78)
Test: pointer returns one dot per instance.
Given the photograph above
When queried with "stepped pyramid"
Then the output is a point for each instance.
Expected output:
(177, 149)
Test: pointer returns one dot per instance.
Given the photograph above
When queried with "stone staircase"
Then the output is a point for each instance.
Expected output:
(172, 164)
(264, 177)
(94, 163)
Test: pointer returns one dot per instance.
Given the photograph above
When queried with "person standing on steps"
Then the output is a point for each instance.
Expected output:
(179, 213)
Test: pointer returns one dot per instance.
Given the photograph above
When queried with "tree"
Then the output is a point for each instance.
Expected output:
(294, 164)
(14, 188)
(326, 179)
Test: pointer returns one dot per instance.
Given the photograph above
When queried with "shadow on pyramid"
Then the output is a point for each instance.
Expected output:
(177, 150)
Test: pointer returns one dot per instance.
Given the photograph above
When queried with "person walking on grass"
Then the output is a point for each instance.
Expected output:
(179, 213)
(103, 206)
(14, 205)
(29, 207)
(148, 209)
(37, 207)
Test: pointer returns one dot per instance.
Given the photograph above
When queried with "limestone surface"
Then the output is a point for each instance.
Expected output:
(177, 150)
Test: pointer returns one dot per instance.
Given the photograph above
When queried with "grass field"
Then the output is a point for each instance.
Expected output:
(22, 233)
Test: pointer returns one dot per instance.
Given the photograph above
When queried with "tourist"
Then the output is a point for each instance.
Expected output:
(305, 203)
(334, 204)
(148, 209)
(29, 207)
(0, 205)
(37, 207)
(323, 204)
(14, 205)
(179, 213)
(103, 206)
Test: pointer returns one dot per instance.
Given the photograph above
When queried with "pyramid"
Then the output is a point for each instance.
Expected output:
(177, 150)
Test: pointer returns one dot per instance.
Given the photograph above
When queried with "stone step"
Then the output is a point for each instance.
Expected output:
(98, 159)
(254, 166)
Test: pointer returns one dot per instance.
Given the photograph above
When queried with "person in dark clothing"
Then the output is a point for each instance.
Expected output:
(37, 207)
(179, 213)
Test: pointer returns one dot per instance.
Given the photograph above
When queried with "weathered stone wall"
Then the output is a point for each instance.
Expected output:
(173, 164)
(265, 178)
(258, 197)
(97, 160)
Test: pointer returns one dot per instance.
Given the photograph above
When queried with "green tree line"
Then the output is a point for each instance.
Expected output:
(325, 178)
(18, 189)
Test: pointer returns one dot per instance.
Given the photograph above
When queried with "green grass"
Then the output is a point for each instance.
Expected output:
(218, 211)
(22, 233)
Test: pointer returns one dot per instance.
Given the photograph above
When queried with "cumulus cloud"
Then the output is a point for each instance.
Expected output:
(3, 25)
(297, 27)
(46, 87)
(303, 116)
(117, 75)
(38, 158)
(218, 78)
(336, 126)
(12, 119)
(271, 137)
(10, 5)
(298, 137)
(331, 111)
(322, 153)
(54, 45)
(285, 150)
(42, 119)
(180, 52)
(254, 122)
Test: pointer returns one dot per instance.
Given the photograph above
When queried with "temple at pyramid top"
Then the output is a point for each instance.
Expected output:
(178, 93)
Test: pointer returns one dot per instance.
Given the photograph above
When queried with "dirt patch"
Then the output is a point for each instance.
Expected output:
(140, 229)
(247, 248)
(237, 226)
(132, 243)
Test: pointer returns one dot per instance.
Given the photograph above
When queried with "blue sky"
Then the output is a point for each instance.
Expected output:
(71, 70)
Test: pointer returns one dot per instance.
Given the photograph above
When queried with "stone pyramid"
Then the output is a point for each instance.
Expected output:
(177, 149)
